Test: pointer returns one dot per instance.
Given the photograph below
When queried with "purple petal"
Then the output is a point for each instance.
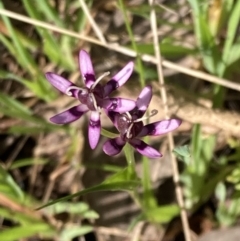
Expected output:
(143, 100)
(145, 149)
(94, 129)
(112, 115)
(119, 79)
(160, 127)
(113, 146)
(86, 68)
(118, 104)
(70, 115)
(61, 83)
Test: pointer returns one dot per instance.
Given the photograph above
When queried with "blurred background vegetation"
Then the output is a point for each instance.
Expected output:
(41, 162)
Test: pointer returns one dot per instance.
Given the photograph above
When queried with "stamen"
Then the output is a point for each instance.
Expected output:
(99, 79)
(153, 113)
(68, 90)
(129, 116)
(128, 135)
(95, 103)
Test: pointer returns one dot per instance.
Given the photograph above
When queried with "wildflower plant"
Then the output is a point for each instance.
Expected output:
(126, 115)
(204, 169)
(131, 128)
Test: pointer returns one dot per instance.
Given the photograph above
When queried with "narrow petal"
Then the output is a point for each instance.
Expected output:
(86, 68)
(118, 104)
(145, 149)
(94, 129)
(113, 146)
(60, 83)
(112, 116)
(119, 79)
(143, 100)
(160, 127)
(69, 115)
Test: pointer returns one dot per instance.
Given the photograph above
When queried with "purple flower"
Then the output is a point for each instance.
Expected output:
(131, 128)
(93, 96)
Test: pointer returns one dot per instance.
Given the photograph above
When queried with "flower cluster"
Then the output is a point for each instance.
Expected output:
(126, 115)
(131, 128)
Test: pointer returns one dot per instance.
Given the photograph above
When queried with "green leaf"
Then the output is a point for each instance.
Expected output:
(19, 217)
(113, 183)
(39, 126)
(14, 105)
(196, 142)
(123, 175)
(104, 167)
(134, 222)
(183, 153)
(195, 6)
(208, 148)
(79, 208)
(26, 60)
(13, 108)
(8, 185)
(167, 49)
(232, 28)
(50, 12)
(228, 214)
(31, 85)
(209, 186)
(221, 192)
(205, 40)
(23, 57)
(17, 233)
(162, 214)
(127, 185)
(51, 46)
(69, 233)
(234, 53)
(8, 44)
(108, 133)
(28, 162)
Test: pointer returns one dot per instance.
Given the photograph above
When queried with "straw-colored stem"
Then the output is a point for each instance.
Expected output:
(176, 176)
(129, 52)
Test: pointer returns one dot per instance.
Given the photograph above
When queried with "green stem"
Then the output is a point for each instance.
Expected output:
(129, 153)
(108, 134)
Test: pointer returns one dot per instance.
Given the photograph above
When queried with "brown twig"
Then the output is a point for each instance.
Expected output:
(116, 47)
(54, 175)
(95, 27)
(163, 92)
(16, 151)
